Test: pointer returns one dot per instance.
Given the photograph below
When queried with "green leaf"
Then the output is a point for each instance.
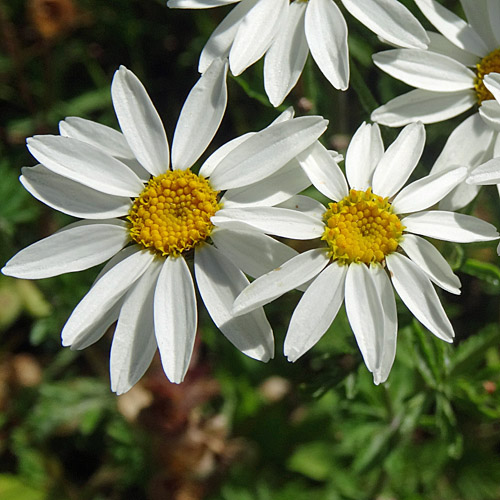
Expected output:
(312, 460)
(15, 488)
(469, 353)
(486, 272)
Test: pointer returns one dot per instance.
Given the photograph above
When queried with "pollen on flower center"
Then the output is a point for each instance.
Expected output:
(361, 228)
(172, 214)
(488, 64)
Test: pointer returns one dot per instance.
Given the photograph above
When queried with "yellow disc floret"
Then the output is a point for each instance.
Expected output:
(361, 228)
(172, 214)
(488, 64)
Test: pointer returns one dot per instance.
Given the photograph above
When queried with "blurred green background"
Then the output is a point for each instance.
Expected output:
(235, 429)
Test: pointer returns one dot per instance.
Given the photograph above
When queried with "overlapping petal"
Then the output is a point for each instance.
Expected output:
(79, 246)
(288, 276)
(429, 259)
(425, 69)
(390, 20)
(417, 292)
(316, 311)
(175, 317)
(71, 197)
(255, 33)
(134, 341)
(287, 55)
(326, 33)
(220, 282)
(104, 294)
(266, 152)
(85, 164)
(424, 106)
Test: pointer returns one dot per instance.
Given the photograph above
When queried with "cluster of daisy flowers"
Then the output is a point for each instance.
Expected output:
(170, 227)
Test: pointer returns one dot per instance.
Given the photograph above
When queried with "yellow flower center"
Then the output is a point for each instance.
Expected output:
(488, 64)
(172, 214)
(361, 228)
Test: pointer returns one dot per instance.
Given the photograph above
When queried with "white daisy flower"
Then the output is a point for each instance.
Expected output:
(150, 218)
(371, 237)
(459, 71)
(286, 31)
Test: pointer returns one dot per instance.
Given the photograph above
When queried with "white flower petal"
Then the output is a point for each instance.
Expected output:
(274, 284)
(365, 313)
(417, 292)
(71, 197)
(266, 152)
(220, 282)
(305, 205)
(278, 187)
(94, 332)
(450, 226)
(494, 19)
(140, 122)
(492, 83)
(363, 154)
(323, 171)
(134, 341)
(252, 252)
(459, 197)
(104, 294)
(100, 136)
(217, 156)
(441, 45)
(255, 33)
(425, 70)
(326, 33)
(287, 55)
(79, 246)
(483, 20)
(424, 106)
(390, 20)
(428, 190)
(399, 160)
(271, 220)
(489, 111)
(466, 145)
(316, 311)
(200, 116)
(430, 260)
(455, 29)
(220, 41)
(175, 317)
(85, 164)
(390, 315)
(487, 173)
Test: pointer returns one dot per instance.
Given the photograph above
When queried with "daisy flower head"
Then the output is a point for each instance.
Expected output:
(459, 71)
(285, 32)
(371, 242)
(150, 214)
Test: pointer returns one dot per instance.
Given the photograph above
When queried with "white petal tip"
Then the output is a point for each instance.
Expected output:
(292, 355)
